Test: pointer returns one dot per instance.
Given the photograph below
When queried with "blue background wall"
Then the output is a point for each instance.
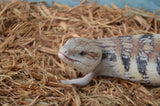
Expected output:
(149, 5)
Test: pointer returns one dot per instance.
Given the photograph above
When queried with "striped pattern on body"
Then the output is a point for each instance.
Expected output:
(136, 57)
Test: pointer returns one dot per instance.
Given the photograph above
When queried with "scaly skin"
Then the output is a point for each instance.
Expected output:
(135, 58)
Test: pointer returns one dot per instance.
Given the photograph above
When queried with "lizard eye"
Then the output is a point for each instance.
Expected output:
(81, 53)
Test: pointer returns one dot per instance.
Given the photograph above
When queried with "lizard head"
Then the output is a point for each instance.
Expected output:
(80, 53)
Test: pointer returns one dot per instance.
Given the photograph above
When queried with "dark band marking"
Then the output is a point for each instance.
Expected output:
(158, 65)
(142, 63)
(126, 60)
(149, 36)
(146, 47)
(109, 55)
(126, 48)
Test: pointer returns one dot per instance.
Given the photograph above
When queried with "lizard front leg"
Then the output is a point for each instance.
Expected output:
(80, 81)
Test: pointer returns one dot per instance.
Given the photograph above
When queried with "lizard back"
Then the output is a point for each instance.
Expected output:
(135, 58)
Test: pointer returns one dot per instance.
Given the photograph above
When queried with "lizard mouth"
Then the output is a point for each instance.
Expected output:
(62, 56)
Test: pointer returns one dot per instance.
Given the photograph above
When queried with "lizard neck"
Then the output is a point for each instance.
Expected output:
(108, 48)
(108, 66)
